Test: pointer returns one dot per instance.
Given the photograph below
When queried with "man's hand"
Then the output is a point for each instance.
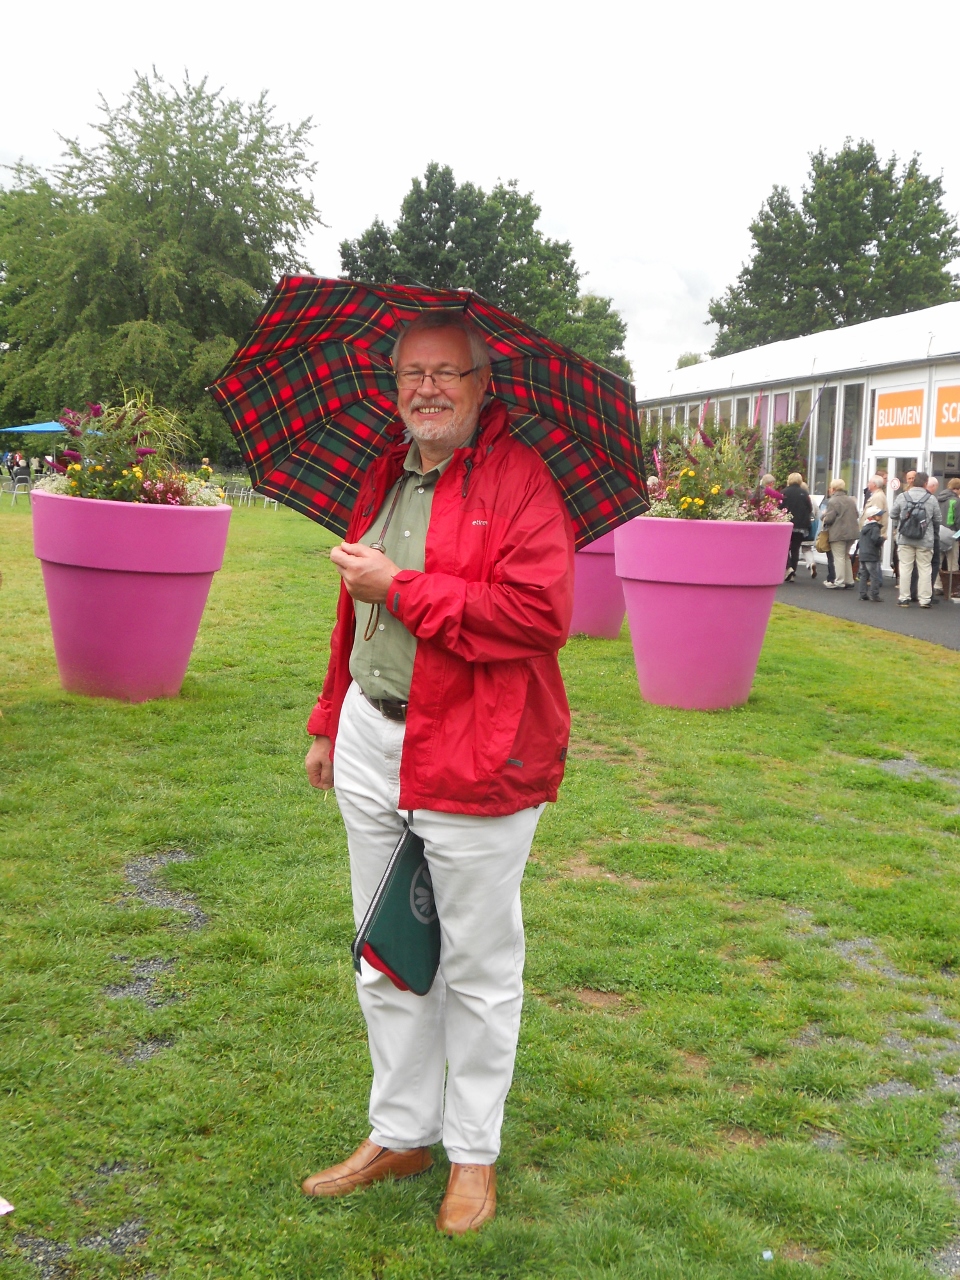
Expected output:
(366, 573)
(318, 764)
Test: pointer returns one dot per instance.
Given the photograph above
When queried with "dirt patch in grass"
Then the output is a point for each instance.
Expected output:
(695, 1063)
(600, 999)
(579, 868)
(793, 1252)
(737, 1136)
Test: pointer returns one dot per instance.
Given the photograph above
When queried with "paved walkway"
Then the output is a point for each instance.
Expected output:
(939, 624)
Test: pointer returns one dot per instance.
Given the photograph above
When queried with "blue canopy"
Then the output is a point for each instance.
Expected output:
(35, 428)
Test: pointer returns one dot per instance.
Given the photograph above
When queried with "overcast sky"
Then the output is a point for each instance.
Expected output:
(649, 134)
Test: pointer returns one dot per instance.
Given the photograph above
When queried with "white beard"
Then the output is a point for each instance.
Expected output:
(453, 433)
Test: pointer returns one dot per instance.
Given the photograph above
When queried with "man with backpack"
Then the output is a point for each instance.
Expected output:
(916, 518)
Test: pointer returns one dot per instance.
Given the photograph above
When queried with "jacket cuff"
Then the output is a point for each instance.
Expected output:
(319, 722)
(396, 592)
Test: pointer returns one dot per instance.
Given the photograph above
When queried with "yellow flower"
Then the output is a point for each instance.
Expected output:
(126, 473)
(691, 472)
(715, 489)
(698, 501)
(98, 468)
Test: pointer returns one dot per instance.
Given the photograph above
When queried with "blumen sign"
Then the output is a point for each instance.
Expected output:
(899, 414)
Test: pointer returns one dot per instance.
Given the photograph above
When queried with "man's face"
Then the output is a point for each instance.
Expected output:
(933, 484)
(446, 414)
(909, 479)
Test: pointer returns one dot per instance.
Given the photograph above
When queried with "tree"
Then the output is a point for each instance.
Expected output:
(143, 259)
(688, 358)
(451, 236)
(866, 241)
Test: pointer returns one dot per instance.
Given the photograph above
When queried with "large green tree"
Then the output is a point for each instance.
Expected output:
(453, 235)
(141, 260)
(868, 239)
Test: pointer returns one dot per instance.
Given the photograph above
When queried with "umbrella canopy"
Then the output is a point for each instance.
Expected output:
(311, 398)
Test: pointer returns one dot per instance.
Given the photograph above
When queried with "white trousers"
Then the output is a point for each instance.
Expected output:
(922, 557)
(469, 1021)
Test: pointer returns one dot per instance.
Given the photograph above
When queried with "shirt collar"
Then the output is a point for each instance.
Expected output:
(412, 461)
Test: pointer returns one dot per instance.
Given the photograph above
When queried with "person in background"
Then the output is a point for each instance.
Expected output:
(871, 554)
(876, 500)
(933, 486)
(915, 549)
(798, 503)
(895, 552)
(949, 501)
(842, 521)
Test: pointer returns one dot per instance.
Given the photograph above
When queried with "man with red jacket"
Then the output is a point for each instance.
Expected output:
(443, 699)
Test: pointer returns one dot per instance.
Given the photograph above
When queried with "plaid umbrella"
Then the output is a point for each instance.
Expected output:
(312, 400)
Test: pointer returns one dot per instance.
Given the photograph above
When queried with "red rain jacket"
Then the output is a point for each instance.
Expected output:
(488, 720)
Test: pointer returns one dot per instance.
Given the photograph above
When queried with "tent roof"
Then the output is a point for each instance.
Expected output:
(35, 428)
(918, 337)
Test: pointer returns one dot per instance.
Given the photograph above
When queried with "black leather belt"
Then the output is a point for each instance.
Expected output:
(390, 708)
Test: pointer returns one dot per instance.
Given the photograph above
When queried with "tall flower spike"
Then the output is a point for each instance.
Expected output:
(705, 438)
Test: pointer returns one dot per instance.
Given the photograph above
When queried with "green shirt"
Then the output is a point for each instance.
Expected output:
(383, 665)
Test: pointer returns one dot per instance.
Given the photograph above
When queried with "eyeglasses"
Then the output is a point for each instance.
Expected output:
(413, 379)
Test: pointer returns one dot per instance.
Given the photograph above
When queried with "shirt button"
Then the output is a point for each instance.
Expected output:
(420, 490)
(380, 628)
(406, 533)
(376, 672)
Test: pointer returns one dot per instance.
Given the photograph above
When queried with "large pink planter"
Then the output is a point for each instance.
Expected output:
(126, 586)
(598, 606)
(699, 595)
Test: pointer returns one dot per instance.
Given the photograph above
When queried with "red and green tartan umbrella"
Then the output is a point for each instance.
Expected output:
(312, 399)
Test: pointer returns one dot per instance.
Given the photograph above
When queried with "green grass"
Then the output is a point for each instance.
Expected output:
(697, 1042)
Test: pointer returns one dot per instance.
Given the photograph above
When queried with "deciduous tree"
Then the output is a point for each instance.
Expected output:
(868, 239)
(457, 236)
(141, 260)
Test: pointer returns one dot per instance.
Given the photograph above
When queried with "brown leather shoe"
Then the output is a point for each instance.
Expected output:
(471, 1199)
(369, 1163)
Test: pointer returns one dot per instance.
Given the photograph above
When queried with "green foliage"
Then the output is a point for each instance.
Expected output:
(130, 453)
(789, 451)
(143, 259)
(690, 1086)
(689, 358)
(457, 236)
(866, 241)
(706, 479)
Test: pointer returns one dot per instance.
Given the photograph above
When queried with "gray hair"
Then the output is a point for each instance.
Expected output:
(442, 318)
(879, 480)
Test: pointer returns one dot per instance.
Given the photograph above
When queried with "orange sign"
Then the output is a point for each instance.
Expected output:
(948, 412)
(899, 415)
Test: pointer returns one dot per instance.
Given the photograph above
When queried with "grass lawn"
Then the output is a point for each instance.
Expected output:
(743, 947)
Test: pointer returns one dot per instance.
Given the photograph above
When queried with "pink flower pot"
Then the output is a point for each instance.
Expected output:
(699, 595)
(126, 586)
(598, 606)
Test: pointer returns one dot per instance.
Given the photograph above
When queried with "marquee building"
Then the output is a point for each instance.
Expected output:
(879, 396)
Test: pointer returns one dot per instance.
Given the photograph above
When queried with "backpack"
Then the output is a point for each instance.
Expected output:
(913, 525)
(950, 519)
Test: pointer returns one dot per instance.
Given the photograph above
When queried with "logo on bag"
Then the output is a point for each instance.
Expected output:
(421, 895)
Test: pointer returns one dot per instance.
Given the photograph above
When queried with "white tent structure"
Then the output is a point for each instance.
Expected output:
(883, 395)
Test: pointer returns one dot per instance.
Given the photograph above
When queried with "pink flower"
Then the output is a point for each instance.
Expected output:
(728, 493)
(705, 438)
(96, 410)
(656, 463)
(71, 454)
(143, 453)
(57, 467)
(772, 493)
